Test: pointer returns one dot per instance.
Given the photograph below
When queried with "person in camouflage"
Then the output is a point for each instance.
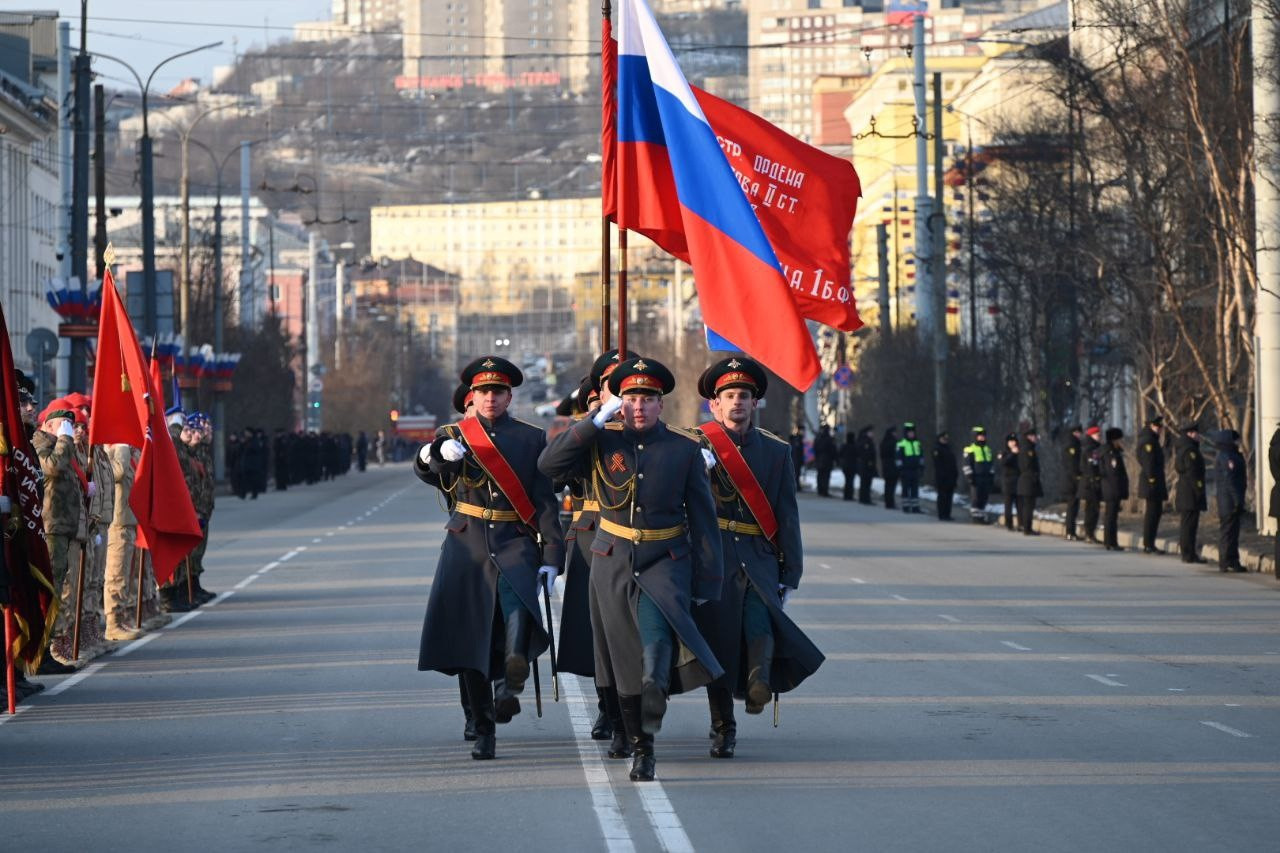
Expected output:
(102, 495)
(174, 592)
(120, 573)
(54, 446)
(198, 437)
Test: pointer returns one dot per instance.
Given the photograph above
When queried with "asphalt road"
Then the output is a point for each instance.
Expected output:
(983, 691)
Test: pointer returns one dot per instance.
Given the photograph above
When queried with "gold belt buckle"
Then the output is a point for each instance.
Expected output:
(487, 514)
(637, 536)
(733, 527)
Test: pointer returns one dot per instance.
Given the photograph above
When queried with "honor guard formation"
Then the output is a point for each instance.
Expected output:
(683, 547)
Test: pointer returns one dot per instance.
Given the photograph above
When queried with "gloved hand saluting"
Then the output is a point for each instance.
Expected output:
(452, 450)
(607, 411)
(708, 458)
(65, 428)
(550, 573)
(784, 594)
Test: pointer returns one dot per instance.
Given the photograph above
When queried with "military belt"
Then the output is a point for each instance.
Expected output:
(636, 534)
(587, 506)
(746, 528)
(486, 513)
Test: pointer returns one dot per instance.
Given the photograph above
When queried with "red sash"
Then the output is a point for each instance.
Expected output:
(741, 476)
(497, 467)
(84, 481)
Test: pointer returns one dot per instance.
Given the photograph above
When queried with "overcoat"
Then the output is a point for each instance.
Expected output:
(1152, 484)
(1189, 494)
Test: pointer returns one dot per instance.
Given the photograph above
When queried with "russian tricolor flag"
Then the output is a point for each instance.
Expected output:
(673, 177)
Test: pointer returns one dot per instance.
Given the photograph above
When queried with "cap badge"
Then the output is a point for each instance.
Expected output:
(735, 364)
(488, 362)
(640, 365)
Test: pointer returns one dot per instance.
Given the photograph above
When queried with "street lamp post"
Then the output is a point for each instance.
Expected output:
(148, 187)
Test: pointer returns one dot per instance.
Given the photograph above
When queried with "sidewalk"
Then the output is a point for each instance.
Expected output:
(1257, 553)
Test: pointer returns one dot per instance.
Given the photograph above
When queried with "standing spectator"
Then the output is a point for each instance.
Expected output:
(909, 459)
(1008, 459)
(1090, 488)
(253, 463)
(849, 463)
(980, 469)
(1273, 460)
(1115, 486)
(945, 474)
(1029, 488)
(824, 459)
(120, 579)
(234, 446)
(1071, 462)
(1189, 495)
(362, 450)
(797, 452)
(1152, 485)
(866, 463)
(889, 465)
(280, 444)
(380, 447)
(54, 446)
(1230, 473)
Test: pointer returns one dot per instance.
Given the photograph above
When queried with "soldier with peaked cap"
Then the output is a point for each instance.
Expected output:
(762, 651)
(1189, 496)
(1153, 487)
(1090, 489)
(1071, 468)
(656, 550)
(483, 620)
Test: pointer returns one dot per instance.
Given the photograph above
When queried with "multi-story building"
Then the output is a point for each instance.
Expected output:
(498, 44)
(30, 187)
(352, 17)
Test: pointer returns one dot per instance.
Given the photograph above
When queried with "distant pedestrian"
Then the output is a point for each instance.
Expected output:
(1189, 494)
(796, 441)
(824, 459)
(910, 463)
(1229, 471)
(1090, 488)
(362, 450)
(1152, 485)
(889, 465)
(380, 447)
(1115, 487)
(1071, 462)
(1029, 487)
(849, 463)
(1273, 461)
(945, 475)
(866, 463)
(1008, 460)
(979, 468)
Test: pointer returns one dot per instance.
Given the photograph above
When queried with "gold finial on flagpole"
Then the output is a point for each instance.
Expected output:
(109, 255)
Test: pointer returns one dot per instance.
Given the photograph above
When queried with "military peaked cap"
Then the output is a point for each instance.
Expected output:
(736, 372)
(491, 371)
(641, 375)
(605, 364)
(461, 397)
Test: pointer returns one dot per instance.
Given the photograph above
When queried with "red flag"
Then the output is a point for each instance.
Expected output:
(804, 198)
(26, 558)
(134, 415)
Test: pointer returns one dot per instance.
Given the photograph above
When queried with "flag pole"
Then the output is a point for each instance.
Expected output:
(137, 556)
(622, 290)
(8, 661)
(606, 236)
(75, 633)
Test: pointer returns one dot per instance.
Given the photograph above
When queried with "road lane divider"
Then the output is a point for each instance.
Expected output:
(1102, 679)
(1226, 729)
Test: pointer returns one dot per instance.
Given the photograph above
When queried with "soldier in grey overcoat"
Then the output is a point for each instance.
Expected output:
(656, 551)
(762, 651)
(483, 620)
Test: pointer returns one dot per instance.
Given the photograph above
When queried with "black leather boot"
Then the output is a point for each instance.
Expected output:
(506, 705)
(643, 763)
(620, 746)
(602, 728)
(518, 626)
(655, 679)
(469, 729)
(480, 696)
(720, 700)
(759, 660)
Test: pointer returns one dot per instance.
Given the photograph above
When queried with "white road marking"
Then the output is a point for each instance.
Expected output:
(221, 597)
(613, 827)
(1102, 679)
(897, 597)
(1220, 727)
(134, 646)
(314, 541)
(184, 619)
(73, 680)
(253, 577)
(857, 580)
(948, 618)
(268, 567)
(1177, 689)
(1014, 646)
(823, 566)
(6, 717)
(663, 818)
(330, 533)
(288, 556)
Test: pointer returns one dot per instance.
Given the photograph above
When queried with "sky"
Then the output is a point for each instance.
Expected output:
(145, 32)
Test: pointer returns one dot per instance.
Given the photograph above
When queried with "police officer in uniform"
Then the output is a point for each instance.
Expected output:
(866, 463)
(656, 550)
(1071, 481)
(1089, 489)
(1152, 485)
(1008, 460)
(909, 462)
(483, 620)
(1189, 497)
(1115, 486)
(762, 651)
(980, 471)
(1029, 487)
(889, 465)
(1231, 477)
(945, 474)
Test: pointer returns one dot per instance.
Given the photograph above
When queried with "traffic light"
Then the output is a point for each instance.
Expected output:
(395, 415)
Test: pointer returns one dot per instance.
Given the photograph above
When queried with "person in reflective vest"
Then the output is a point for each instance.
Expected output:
(909, 463)
(979, 470)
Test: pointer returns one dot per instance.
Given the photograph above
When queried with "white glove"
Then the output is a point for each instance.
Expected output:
(708, 458)
(93, 488)
(453, 450)
(424, 455)
(65, 428)
(698, 601)
(607, 411)
(784, 595)
(97, 538)
(550, 573)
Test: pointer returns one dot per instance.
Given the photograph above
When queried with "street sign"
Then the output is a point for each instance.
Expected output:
(316, 385)
(843, 376)
(42, 344)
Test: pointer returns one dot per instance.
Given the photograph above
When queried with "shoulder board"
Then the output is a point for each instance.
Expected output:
(776, 438)
(449, 429)
(692, 435)
(614, 425)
